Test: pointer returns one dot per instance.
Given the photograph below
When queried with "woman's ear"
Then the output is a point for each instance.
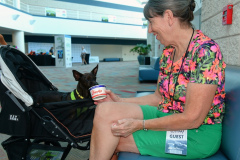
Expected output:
(168, 14)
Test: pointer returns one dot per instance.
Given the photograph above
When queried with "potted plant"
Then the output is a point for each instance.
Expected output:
(142, 50)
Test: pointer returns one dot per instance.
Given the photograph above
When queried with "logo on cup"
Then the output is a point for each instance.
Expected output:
(96, 92)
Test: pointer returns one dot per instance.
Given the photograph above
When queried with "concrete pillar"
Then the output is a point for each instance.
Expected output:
(160, 49)
(16, 4)
(150, 40)
(156, 47)
(18, 40)
(153, 45)
(18, 36)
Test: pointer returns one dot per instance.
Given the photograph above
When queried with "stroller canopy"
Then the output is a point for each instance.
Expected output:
(11, 61)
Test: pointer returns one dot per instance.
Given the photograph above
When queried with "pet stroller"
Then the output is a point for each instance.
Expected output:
(38, 130)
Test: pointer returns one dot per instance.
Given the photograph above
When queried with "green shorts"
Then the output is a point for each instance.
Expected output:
(201, 142)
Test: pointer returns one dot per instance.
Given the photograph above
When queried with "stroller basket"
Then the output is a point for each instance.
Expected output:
(26, 121)
(16, 148)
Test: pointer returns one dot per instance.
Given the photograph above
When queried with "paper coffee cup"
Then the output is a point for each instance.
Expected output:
(98, 92)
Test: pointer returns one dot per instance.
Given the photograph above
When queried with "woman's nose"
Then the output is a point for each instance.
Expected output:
(149, 29)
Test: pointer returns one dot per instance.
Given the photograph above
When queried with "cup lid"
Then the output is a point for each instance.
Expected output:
(97, 86)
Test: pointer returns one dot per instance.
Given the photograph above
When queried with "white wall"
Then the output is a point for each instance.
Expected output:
(39, 47)
(55, 26)
(22, 23)
(113, 51)
(227, 36)
(82, 11)
(77, 49)
(45, 25)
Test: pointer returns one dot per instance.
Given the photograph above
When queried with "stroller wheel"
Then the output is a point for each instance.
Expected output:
(47, 142)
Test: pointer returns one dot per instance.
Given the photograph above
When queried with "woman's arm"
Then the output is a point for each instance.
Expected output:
(152, 99)
(199, 98)
(198, 103)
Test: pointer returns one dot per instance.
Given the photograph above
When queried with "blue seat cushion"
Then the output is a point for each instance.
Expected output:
(231, 127)
(147, 73)
(156, 64)
(133, 156)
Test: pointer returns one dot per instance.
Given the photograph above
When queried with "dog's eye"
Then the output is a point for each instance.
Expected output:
(91, 79)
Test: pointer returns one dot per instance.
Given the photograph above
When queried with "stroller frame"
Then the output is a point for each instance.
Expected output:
(49, 123)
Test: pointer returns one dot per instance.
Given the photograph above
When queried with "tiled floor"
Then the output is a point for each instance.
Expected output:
(120, 77)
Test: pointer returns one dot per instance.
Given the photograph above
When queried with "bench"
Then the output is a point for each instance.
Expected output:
(230, 145)
(111, 59)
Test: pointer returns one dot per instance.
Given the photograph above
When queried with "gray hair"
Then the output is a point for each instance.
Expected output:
(182, 9)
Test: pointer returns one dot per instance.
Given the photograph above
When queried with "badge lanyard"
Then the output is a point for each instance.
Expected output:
(185, 57)
(176, 141)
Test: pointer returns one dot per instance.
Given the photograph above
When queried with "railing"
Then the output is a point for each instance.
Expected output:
(135, 19)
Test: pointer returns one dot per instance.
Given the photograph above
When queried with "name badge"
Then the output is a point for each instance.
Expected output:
(176, 142)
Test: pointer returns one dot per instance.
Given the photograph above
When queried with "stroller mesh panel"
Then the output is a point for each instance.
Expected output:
(75, 117)
(30, 80)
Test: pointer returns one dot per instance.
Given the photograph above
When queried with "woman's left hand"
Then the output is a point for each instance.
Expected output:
(125, 127)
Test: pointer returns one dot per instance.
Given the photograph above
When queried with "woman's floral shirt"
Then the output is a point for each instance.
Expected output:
(203, 64)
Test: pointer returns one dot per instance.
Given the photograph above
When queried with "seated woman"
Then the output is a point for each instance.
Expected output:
(190, 94)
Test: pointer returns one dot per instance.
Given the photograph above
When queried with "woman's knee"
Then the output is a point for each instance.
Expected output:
(104, 110)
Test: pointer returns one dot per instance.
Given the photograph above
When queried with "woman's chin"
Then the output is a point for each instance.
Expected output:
(160, 41)
(157, 38)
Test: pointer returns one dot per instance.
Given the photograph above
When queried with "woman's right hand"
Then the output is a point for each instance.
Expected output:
(111, 97)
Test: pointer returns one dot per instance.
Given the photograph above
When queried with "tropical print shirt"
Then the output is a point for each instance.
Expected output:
(203, 64)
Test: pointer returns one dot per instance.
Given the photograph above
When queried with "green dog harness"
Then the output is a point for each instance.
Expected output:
(74, 98)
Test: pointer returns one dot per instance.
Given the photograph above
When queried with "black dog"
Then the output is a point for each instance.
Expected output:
(85, 81)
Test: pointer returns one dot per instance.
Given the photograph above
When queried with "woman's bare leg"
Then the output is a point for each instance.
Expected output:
(103, 142)
(114, 157)
(85, 61)
(125, 144)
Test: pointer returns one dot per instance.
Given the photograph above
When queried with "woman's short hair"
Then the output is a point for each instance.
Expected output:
(183, 9)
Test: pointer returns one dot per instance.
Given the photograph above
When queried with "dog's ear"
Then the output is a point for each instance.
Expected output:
(95, 70)
(77, 75)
